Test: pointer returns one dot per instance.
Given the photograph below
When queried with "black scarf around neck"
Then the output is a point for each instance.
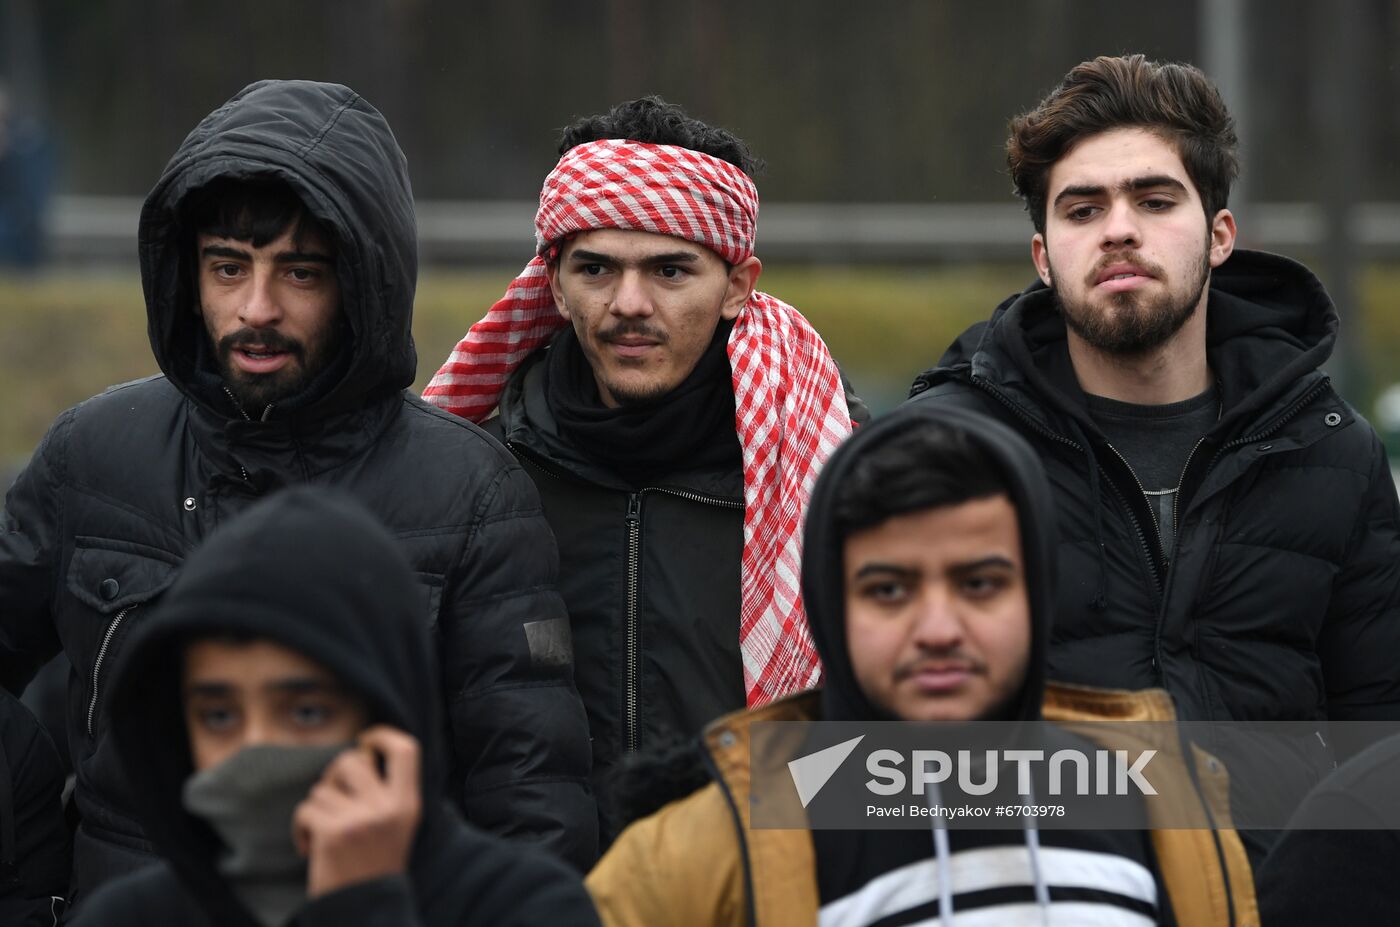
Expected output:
(691, 427)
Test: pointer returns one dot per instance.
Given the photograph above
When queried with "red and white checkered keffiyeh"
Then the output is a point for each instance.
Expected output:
(790, 408)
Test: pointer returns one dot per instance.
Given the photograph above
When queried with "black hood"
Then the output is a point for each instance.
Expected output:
(337, 152)
(1269, 326)
(823, 572)
(309, 569)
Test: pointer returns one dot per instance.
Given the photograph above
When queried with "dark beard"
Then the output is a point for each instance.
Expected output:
(254, 392)
(1142, 323)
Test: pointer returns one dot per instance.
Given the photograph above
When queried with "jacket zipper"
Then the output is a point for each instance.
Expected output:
(1156, 527)
(97, 664)
(237, 405)
(633, 632)
(632, 681)
(1176, 499)
(1041, 430)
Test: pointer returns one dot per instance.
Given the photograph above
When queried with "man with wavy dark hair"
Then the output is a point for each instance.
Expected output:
(636, 371)
(1230, 526)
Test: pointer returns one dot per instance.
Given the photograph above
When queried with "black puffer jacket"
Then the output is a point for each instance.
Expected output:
(125, 484)
(1281, 599)
(313, 572)
(651, 579)
(35, 855)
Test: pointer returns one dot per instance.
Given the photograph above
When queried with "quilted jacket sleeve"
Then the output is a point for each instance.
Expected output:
(1361, 636)
(30, 550)
(519, 733)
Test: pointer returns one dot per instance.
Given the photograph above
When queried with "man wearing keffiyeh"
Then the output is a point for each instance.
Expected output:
(673, 417)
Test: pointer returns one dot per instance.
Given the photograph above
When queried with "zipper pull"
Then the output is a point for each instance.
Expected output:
(634, 508)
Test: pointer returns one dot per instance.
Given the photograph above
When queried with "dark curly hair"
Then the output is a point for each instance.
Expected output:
(1176, 101)
(654, 121)
(927, 466)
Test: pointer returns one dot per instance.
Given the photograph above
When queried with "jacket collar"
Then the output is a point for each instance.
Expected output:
(1270, 326)
(286, 450)
(528, 426)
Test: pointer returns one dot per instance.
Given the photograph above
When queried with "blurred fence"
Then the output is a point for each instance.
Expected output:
(102, 230)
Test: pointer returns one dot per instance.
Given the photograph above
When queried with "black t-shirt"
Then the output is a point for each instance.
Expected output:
(1157, 441)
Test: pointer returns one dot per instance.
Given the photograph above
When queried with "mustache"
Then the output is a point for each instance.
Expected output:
(634, 329)
(269, 340)
(950, 658)
(1132, 258)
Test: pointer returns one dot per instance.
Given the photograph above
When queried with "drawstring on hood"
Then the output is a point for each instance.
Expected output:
(308, 569)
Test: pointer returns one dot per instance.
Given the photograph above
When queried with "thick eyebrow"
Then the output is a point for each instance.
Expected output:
(996, 561)
(593, 257)
(282, 257)
(1132, 184)
(226, 252)
(993, 561)
(882, 569)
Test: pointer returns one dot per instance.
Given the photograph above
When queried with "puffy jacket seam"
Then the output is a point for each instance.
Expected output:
(512, 515)
(92, 493)
(1280, 467)
(521, 593)
(515, 782)
(437, 531)
(1277, 549)
(330, 124)
(466, 694)
(433, 413)
(480, 514)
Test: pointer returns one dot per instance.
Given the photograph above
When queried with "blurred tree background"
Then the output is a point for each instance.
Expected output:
(885, 102)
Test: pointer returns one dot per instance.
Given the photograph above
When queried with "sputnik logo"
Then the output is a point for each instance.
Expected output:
(811, 772)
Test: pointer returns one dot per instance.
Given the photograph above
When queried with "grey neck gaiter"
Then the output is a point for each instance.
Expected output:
(249, 800)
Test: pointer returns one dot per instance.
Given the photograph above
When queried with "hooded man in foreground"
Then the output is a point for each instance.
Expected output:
(927, 572)
(278, 718)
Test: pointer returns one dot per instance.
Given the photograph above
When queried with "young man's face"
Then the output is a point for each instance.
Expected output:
(938, 621)
(1127, 245)
(272, 312)
(645, 306)
(243, 694)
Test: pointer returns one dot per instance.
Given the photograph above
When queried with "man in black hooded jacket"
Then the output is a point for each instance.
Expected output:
(279, 720)
(279, 259)
(1229, 525)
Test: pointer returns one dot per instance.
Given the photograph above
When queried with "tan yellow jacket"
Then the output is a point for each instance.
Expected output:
(697, 863)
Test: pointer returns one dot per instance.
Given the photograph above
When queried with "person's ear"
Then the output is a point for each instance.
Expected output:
(1222, 237)
(743, 277)
(551, 270)
(1040, 257)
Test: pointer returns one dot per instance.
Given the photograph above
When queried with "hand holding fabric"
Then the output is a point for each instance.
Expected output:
(357, 824)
